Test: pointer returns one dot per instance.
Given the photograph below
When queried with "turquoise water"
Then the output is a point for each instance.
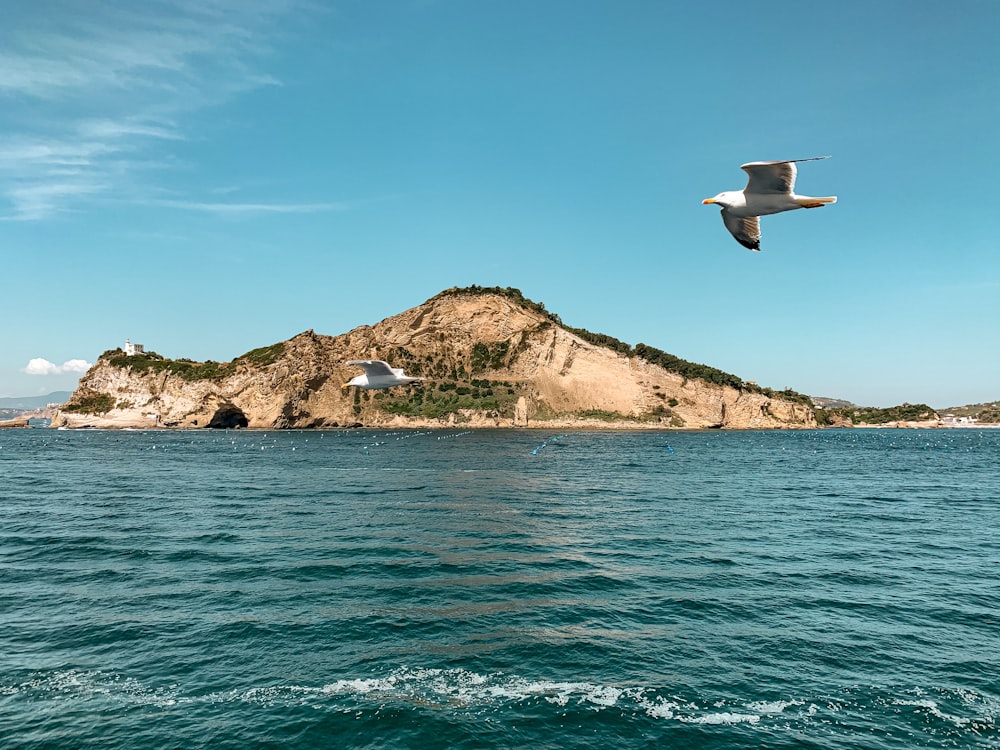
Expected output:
(500, 589)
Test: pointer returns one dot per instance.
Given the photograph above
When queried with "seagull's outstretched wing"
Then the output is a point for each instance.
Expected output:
(773, 176)
(746, 229)
(373, 367)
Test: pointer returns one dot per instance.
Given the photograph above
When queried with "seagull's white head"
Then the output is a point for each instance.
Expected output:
(360, 381)
(727, 199)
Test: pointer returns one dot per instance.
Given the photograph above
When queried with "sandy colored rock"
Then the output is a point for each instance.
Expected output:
(558, 380)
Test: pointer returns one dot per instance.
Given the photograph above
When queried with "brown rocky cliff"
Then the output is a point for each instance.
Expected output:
(462, 342)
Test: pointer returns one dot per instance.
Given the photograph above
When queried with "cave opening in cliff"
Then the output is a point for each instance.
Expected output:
(228, 417)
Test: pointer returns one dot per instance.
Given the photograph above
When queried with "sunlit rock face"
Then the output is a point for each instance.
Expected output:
(489, 359)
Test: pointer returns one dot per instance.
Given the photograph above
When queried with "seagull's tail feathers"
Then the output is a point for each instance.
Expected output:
(811, 202)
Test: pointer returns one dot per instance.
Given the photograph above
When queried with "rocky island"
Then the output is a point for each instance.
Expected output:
(490, 358)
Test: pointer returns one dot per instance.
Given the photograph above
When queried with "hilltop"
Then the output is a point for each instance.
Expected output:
(490, 358)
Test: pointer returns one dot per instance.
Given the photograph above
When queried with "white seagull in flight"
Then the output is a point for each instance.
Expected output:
(378, 374)
(770, 190)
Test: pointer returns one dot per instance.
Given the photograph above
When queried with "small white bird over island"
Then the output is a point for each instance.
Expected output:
(770, 190)
(378, 374)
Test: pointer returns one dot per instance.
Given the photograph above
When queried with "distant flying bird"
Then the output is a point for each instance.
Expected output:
(770, 190)
(378, 374)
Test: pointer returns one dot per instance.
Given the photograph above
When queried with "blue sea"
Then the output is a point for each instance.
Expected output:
(500, 589)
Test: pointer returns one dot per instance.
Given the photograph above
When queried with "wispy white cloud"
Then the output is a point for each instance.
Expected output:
(117, 130)
(237, 209)
(39, 154)
(41, 366)
(42, 199)
(95, 94)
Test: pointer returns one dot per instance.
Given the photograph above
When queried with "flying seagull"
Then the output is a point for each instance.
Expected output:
(378, 374)
(770, 190)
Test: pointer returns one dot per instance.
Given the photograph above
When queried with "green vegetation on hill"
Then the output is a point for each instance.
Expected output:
(152, 362)
(600, 339)
(190, 370)
(989, 414)
(91, 403)
(873, 415)
(486, 357)
(455, 382)
(263, 356)
(685, 368)
(509, 292)
(439, 398)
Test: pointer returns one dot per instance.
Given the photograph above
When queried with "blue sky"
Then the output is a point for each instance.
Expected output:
(209, 177)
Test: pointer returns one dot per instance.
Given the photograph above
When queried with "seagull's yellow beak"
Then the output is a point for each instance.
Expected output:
(345, 386)
(708, 200)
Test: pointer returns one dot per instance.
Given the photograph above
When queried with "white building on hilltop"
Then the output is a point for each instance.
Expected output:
(131, 349)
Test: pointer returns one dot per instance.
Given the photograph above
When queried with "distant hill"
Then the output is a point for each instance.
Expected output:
(871, 415)
(30, 403)
(987, 413)
(831, 411)
(823, 402)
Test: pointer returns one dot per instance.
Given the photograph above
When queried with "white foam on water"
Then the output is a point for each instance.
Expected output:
(473, 690)
(660, 708)
(725, 717)
(470, 688)
(359, 686)
(561, 693)
(773, 707)
(429, 687)
(464, 690)
(93, 684)
(933, 709)
(981, 710)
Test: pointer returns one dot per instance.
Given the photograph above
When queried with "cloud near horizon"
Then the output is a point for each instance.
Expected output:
(41, 366)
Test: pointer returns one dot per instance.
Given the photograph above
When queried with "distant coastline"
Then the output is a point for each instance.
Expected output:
(582, 425)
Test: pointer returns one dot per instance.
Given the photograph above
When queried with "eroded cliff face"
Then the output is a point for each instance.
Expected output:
(543, 375)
